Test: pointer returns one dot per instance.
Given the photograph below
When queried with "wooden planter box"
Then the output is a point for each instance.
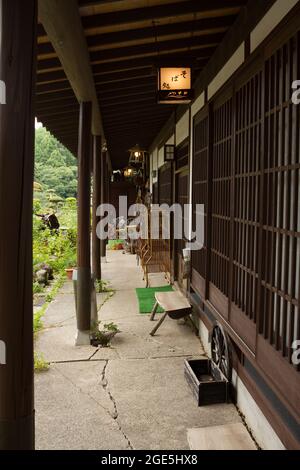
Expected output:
(208, 384)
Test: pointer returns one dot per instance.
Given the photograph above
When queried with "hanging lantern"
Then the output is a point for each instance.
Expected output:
(175, 85)
(169, 151)
(137, 156)
(128, 172)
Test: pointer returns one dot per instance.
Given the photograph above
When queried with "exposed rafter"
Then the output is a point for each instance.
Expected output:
(124, 42)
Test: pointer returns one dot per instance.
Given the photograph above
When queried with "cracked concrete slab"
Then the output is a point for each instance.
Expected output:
(155, 404)
(132, 395)
(69, 418)
(57, 343)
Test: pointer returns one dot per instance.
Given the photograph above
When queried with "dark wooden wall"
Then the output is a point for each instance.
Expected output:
(122, 189)
(246, 170)
(182, 198)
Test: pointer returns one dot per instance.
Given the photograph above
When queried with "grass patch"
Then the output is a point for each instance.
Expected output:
(146, 298)
(38, 316)
(40, 365)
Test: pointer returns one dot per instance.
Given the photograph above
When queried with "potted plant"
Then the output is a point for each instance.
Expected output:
(69, 270)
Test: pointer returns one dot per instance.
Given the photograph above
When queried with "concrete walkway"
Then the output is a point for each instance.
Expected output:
(130, 396)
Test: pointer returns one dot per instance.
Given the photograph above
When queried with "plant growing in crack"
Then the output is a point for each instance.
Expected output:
(40, 365)
(103, 334)
(102, 286)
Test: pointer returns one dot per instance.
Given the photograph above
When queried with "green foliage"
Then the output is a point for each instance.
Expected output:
(38, 316)
(40, 365)
(37, 320)
(102, 286)
(55, 249)
(55, 166)
(103, 335)
(111, 327)
(55, 180)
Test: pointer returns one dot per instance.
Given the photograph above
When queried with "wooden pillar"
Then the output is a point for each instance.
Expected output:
(96, 248)
(17, 72)
(103, 192)
(84, 226)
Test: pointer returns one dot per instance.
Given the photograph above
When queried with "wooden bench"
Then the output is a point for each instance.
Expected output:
(175, 305)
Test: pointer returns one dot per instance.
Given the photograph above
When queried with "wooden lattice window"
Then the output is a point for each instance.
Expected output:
(182, 155)
(221, 186)
(280, 277)
(200, 186)
(247, 173)
(165, 184)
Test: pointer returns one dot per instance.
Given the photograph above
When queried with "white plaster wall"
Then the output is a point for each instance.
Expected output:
(198, 104)
(161, 157)
(204, 336)
(151, 169)
(171, 140)
(154, 164)
(227, 71)
(272, 18)
(182, 128)
(255, 419)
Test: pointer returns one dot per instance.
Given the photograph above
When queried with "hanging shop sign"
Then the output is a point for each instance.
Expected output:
(175, 85)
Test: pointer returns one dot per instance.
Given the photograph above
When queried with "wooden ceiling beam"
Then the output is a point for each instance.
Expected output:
(47, 66)
(132, 92)
(130, 133)
(136, 114)
(60, 121)
(133, 123)
(116, 77)
(91, 7)
(62, 128)
(54, 97)
(132, 84)
(57, 112)
(148, 98)
(152, 48)
(203, 27)
(61, 105)
(62, 22)
(202, 9)
(48, 77)
(53, 87)
(65, 122)
(156, 48)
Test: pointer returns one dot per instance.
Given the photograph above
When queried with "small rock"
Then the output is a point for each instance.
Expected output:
(42, 277)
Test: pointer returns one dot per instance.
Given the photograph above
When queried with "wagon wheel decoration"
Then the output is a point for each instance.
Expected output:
(220, 351)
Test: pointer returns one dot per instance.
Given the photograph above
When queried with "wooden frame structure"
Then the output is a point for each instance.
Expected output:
(95, 79)
(246, 172)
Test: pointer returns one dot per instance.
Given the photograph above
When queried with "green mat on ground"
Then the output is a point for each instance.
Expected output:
(146, 298)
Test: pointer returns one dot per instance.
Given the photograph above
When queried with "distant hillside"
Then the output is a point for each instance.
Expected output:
(55, 166)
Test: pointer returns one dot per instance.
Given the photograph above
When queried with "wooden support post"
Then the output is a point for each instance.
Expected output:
(17, 72)
(84, 226)
(103, 195)
(96, 248)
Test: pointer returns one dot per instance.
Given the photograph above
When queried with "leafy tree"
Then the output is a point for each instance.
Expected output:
(55, 166)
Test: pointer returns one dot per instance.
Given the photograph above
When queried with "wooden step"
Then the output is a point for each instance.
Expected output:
(227, 437)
